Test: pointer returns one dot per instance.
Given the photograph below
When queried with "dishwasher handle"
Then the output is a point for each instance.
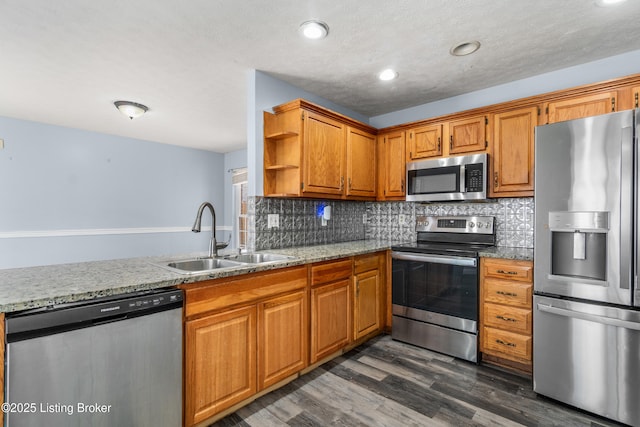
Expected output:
(605, 320)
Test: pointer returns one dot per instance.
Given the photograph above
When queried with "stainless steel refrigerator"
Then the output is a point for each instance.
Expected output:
(586, 321)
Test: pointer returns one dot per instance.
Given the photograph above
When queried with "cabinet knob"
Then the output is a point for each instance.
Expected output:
(495, 179)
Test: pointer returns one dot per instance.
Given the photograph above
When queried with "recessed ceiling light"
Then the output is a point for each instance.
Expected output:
(606, 3)
(465, 48)
(131, 109)
(314, 30)
(387, 74)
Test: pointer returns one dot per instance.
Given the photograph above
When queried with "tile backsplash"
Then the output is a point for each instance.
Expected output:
(300, 221)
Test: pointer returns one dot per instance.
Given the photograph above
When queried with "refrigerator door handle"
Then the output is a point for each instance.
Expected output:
(590, 317)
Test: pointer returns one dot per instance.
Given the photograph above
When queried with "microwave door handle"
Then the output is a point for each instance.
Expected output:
(463, 186)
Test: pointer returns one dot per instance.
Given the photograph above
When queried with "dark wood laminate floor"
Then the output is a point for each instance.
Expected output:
(388, 383)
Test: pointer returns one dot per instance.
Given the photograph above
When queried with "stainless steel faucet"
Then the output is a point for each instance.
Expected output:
(213, 245)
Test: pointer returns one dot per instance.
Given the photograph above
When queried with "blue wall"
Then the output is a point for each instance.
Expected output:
(54, 178)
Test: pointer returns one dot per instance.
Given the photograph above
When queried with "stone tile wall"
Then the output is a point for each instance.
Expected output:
(300, 222)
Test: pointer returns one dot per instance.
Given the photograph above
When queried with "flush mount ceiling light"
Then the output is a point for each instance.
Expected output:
(388, 74)
(314, 30)
(465, 48)
(606, 3)
(131, 109)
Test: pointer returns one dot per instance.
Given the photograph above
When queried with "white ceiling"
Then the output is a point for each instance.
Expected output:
(65, 62)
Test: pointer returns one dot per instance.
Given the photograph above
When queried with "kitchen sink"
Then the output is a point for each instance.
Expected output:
(199, 265)
(259, 258)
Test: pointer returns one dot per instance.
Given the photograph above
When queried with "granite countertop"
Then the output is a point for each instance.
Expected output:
(33, 287)
(522, 254)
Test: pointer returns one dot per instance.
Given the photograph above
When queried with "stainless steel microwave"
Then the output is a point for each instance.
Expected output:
(448, 178)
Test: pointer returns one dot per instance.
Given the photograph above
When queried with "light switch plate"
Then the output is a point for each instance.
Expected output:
(364, 219)
(1, 144)
(273, 221)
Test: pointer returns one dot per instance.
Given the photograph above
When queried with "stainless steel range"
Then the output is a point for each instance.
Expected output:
(435, 284)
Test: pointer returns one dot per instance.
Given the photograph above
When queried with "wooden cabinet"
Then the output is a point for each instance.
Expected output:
(512, 156)
(330, 308)
(361, 164)
(468, 135)
(282, 338)
(310, 151)
(323, 147)
(506, 318)
(635, 97)
(425, 142)
(461, 136)
(581, 106)
(282, 154)
(220, 361)
(391, 166)
(368, 300)
(241, 338)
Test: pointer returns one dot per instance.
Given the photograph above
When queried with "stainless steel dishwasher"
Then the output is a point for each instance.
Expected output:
(109, 362)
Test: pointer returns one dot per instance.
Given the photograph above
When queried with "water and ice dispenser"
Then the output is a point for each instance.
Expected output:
(579, 245)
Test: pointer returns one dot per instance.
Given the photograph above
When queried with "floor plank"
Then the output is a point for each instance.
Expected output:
(386, 383)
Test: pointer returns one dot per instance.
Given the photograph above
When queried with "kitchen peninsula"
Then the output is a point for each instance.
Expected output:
(316, 282)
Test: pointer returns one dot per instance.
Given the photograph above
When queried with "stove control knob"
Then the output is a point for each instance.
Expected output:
(471, 224)
(480, 225)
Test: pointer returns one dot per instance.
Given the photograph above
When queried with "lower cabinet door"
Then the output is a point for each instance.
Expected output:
(282, 338)
(330, 318)
(366, 317)
(220, 362)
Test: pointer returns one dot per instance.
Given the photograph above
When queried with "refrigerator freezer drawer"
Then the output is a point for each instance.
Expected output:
(586, 355)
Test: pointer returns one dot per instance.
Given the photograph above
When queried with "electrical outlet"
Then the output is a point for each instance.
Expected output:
(273, 221)
(402, 219)
(364, 219)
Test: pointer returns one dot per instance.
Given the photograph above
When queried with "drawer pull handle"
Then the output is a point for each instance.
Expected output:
(507, 294)
(508, 344)
(506, 319)
(508, 272)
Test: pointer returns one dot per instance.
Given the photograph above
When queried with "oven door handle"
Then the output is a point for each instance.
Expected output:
(436, 259)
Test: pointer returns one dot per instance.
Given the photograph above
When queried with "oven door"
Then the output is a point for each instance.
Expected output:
(437, 289)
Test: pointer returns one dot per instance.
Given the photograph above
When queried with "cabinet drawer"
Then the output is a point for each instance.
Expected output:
(331, 271)
(366, 263)
(510, 293)
(506, 344)
(507, 318)
(512, 270)
(221, 294)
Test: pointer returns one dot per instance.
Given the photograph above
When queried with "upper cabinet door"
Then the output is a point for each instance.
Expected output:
(581, 106)
(425, 141)
(324, 142)
(392, 166)
(361, 163)
(468, 135)
(513, 156)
